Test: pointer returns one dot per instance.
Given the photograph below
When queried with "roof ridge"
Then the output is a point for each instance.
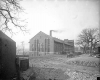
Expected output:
(3, 35)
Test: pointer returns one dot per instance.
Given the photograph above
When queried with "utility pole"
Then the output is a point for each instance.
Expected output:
(99, 31)
(23, 46)
(99, 24)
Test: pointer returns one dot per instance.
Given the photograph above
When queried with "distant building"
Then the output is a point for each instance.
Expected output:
(77, 49)
(42, 42)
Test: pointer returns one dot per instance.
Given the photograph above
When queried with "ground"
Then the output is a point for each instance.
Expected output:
(78, 68)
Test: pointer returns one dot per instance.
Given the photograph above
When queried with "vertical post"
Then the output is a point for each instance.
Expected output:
(99, 30)
(99, 21)
(23, 46)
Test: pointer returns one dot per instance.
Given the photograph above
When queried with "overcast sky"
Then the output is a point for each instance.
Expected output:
(69, 17)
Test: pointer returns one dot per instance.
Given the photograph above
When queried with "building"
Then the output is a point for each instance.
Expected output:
(42, 42)
(7, 57)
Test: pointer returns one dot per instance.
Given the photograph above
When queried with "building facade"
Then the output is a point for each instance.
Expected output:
(42, 42)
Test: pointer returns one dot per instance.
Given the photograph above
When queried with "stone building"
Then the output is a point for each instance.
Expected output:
(42, 42)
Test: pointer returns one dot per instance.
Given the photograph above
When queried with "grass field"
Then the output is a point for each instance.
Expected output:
(62, 60)
(74, 67)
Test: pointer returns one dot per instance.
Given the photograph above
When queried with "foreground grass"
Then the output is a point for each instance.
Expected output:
(85, 61)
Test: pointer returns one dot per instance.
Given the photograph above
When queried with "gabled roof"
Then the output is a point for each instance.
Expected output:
(61, 41)
(4, 36)
(55, 39)
(40, 33)
(58, 40)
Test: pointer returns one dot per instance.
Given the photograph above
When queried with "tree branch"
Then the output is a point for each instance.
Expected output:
(7, 7)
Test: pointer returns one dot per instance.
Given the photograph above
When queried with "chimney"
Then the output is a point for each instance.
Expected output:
(53, 31)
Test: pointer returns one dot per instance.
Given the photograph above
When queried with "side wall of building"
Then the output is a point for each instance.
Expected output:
(7, 57)
(58, 47)
(45, 43)
(51, 44)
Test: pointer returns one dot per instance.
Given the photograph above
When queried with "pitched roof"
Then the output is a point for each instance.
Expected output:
(4, 36)
(54, 38)
(61, 41)
(39, 33)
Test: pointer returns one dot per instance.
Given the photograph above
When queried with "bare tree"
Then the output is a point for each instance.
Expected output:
(88, 39)
(9, 12)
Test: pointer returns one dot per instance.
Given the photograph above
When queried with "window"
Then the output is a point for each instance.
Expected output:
(37, 45)
(42, 47)
(48, 45)
(45, 45)
(32, 47)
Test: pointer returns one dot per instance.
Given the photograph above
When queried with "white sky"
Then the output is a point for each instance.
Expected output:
(70, 17)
